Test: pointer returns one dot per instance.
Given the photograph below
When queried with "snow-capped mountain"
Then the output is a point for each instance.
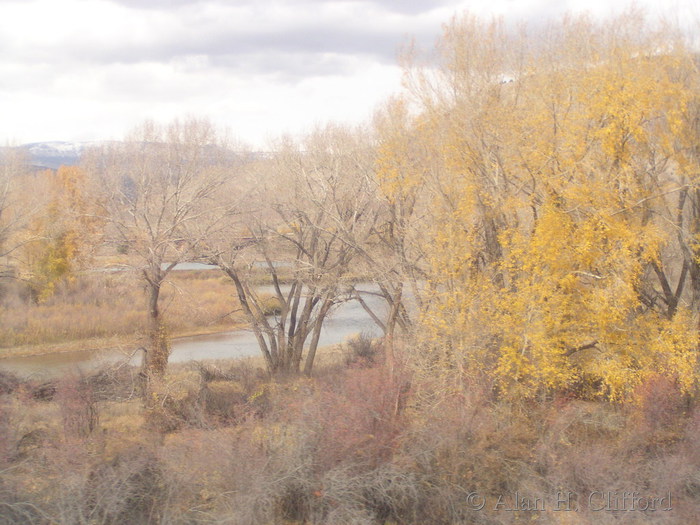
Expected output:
(54, 154)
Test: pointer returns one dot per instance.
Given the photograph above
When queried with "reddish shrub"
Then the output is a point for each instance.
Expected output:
(8, 383)
(359, 417)
(78, 407)
(660, 404)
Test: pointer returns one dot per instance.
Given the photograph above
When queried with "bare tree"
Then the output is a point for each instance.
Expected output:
(157, 191)
(14, 214)
(398, 242)
(309, 205)
(391, 242)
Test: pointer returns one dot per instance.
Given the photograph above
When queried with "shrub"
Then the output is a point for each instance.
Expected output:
(177, 401)
(660, 403)
(356, 417)
(235, 393)
(361, 350)
(114, 383)
(8, 382)
(78, 406)
(15, 511)
(129, 489)
(226, 401)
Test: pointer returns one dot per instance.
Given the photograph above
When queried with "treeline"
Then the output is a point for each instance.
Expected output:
(529, 208)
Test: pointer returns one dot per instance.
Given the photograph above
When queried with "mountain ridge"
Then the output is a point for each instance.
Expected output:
(56, 153)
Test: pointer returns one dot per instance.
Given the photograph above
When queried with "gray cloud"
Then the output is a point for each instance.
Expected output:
(306, 38)
(254, 37)
(156, 4)
(86, 70)
(411, 7)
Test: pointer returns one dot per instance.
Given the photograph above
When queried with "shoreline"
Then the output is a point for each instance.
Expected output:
(100, 343)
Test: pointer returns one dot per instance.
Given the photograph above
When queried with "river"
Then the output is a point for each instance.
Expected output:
(347, 319)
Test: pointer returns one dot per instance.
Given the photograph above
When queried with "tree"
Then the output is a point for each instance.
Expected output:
(157, 192)
(395, 248)
(63, 231)
(15, 211)
(562, 205)
(306, 210)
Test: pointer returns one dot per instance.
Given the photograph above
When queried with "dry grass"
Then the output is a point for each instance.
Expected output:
(104, 309)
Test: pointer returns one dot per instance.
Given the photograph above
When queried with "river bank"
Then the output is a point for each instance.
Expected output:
(109, 309)
(202, 343)
(94, 344)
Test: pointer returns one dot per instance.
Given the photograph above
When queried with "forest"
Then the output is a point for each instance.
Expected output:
(528, 209)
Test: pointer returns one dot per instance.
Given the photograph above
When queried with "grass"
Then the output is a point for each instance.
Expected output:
(101, 310)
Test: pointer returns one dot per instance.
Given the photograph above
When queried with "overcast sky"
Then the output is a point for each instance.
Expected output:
(93, 69)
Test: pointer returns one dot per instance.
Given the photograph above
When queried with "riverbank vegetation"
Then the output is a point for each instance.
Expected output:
(529, 211)
(110, 306)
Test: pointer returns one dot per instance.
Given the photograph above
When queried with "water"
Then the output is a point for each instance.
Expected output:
(345, 321)
(189, 266)
(192, 266)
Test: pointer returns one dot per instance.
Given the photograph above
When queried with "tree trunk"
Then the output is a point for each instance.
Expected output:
(390, 329)
(270, 354)
(155, 358)
(311, 355)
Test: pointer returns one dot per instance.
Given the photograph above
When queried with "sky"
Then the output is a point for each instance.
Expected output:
(84, 70)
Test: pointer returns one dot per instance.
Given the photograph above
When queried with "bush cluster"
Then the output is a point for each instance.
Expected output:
(353, 444)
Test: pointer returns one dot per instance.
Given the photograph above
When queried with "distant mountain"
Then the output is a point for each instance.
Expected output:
(54, 154)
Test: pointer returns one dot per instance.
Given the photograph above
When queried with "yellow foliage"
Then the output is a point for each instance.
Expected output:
(59, 236)
(552, 199)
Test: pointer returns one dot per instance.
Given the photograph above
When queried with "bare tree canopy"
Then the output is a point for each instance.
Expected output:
(309, 210)
(158, 192)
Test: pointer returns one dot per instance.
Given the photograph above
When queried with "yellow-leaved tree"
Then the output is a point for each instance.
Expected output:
(61, 233)
(564, 252)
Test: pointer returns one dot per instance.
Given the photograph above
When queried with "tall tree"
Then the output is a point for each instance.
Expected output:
(157, 191)
(15, 208)
(395, 250)
(308, 207)
(63, 232)
(562, 207)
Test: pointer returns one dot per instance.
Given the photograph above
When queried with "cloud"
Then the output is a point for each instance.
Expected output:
(93, 68)
(261, 35)
(156, 4)
(411, 7)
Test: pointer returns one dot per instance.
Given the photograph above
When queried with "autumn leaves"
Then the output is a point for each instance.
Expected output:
(563, 204)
